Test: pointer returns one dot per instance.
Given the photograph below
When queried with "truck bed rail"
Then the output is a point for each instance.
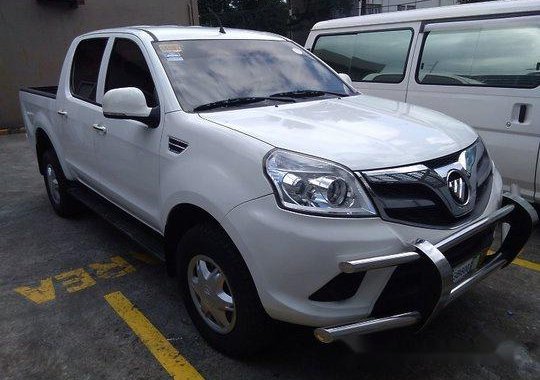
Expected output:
(48, 91)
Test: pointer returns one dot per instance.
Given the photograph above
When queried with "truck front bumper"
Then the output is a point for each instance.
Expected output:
(437, 285)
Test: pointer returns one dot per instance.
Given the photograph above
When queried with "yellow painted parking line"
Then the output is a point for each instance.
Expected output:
(522, 263)
(527, 264)
(174, 363)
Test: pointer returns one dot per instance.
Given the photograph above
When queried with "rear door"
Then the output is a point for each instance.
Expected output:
(375, 58)
(127, 151)
(77, 104)
(486, 73)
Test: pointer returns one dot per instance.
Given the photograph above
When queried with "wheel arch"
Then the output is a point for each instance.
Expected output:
(180, 219)
(43, 143)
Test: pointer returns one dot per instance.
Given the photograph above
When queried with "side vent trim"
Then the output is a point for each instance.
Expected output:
(177, 146)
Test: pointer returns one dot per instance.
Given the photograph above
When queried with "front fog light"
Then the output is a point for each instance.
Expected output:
(313, 185)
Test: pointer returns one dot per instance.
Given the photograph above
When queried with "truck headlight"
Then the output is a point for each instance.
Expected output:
(316, 186)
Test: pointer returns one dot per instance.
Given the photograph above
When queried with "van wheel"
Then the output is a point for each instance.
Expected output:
(219, 293)
(57, 184)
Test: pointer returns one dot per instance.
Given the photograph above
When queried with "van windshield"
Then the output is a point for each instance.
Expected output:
(218, 74)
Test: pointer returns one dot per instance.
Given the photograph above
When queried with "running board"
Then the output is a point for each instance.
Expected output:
(144, 236)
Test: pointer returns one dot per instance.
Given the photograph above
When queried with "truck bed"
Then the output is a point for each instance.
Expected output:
(38, 107)
(48, 91)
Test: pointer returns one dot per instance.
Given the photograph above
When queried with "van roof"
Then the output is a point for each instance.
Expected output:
(436, 13)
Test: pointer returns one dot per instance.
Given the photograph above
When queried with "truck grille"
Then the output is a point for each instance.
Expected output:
(420, 194)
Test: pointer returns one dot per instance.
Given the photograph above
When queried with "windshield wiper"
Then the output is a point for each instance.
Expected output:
(306, 94)
(234, 102)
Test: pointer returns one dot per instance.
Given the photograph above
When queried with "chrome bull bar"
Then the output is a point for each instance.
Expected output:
(516, 212)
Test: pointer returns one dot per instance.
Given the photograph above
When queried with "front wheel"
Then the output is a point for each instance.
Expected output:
(219, 293)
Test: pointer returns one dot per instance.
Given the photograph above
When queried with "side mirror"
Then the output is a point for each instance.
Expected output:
(346, 78)
(129, 103)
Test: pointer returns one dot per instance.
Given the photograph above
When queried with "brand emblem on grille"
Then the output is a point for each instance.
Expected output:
(458, 185)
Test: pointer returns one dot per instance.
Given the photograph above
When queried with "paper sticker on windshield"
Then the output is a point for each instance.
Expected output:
(297, 51)
(172, 51)
(173, 57)
(170, 47)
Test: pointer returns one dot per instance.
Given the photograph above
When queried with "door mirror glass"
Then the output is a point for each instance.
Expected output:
(346, 78)
(129, 103)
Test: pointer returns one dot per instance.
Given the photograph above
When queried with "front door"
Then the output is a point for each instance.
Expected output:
(127, 151)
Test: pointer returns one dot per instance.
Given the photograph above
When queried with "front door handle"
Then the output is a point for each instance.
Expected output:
(100, 128)
(62, 112)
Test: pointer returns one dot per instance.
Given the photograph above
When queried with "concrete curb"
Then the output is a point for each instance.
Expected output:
(11, 131)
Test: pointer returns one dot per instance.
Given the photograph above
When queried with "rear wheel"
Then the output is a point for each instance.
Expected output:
(219, 293)
(57, 184)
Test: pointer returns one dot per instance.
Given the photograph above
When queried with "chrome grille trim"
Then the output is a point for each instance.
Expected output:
(420, 194)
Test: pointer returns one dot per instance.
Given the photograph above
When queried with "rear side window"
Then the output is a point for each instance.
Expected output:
(368, 56)
(128, 68)
(503, 57)
(85, 68)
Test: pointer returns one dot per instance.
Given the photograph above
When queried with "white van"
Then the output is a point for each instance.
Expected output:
(479, 63)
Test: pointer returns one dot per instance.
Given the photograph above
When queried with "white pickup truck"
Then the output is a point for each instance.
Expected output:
(273, 190)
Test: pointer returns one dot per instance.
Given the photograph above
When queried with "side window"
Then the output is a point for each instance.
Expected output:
(368, 56)
(336, 51)
(85, 68)
(128, 68)
(504, 57)
(381, 56)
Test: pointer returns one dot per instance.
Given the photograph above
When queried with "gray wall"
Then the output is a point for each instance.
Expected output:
(36, 34)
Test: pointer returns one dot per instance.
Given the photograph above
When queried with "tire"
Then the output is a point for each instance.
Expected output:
(250, 329)
(57, 185)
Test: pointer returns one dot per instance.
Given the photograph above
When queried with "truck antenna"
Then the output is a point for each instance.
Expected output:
(221, 30)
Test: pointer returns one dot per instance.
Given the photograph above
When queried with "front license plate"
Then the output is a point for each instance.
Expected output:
(463, 270)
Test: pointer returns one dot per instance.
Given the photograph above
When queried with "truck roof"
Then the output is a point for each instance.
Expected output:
(436, 13)
(176, 32)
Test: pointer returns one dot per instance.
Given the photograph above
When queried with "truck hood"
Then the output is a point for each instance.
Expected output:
(360, 132)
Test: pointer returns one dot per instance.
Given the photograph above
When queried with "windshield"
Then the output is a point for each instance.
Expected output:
(256, 72)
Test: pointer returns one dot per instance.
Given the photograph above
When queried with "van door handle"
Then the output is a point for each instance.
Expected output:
(522, 115)
(62, 112)
(100, 128)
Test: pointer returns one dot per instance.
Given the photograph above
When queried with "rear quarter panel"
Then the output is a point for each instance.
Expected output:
(39, 112)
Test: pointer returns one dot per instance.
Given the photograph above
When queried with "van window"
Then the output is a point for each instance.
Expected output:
(368, 56)
(504, 57)
(336, 51)
(128, 68)
(85, 68)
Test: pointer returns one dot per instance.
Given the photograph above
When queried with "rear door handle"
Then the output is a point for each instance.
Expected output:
(100, 128)
(62, 112)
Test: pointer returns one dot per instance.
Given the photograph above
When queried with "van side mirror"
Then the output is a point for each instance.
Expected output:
(129, 103)
(346, 78)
